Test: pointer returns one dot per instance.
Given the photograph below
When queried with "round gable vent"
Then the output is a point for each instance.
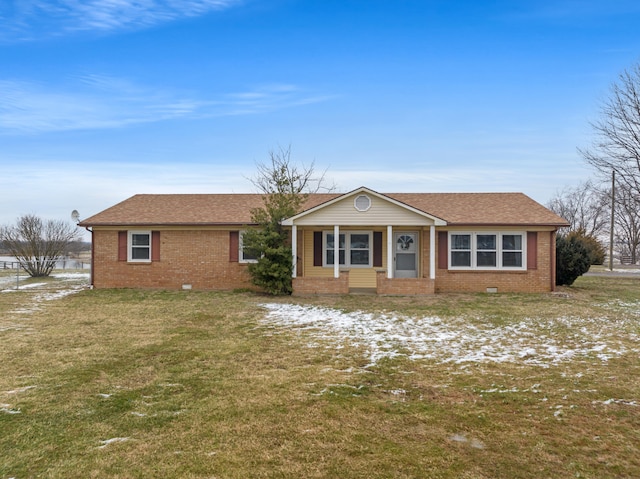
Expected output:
(362, 203)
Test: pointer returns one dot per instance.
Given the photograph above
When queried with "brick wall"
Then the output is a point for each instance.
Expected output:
(199, 258)
(537, 280)
(318, 285)
(403, 286)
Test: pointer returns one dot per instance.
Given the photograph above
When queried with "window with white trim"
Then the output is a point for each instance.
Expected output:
(486, 250)
(244, 256)
(329, 249)
(354, 249)
(460, 247)
(512, 251)
(139, 246)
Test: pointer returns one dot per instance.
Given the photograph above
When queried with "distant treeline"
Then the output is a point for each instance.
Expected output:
(75, 247)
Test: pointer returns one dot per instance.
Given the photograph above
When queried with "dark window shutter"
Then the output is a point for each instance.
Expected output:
(122, 246)
(443, 250)
(532, 250)
(377, 249)
(317, 248)
(234, 245)
(155, 246)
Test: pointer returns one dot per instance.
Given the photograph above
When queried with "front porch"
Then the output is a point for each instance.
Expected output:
(364, 241)
(403, 286)
(305, 286)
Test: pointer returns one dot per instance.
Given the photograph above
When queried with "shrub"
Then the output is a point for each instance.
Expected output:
(572, 258)
(597, 252)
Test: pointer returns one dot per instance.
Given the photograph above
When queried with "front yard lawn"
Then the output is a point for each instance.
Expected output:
(125, 383)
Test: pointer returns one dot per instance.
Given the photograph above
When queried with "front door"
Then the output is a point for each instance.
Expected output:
(406, 255)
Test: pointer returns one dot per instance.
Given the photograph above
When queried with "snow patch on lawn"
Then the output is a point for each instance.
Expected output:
(624, 402)
(9, 282)
(61, 293)
(23, 286)
(630, 307)
(64, 284)
(71, 276)
(107, 442)
(456, 340)
(4, 408)
(20, 390)
(475, 443)
(44, 296)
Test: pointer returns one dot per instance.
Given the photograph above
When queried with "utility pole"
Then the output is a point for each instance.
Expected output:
(613, 202)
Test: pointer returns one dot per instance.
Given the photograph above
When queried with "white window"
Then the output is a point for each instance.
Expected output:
(354, 249)
(512, 251)
(329, 249)
(244, 256)
(486, 250)
(460, 247)
(139, 247)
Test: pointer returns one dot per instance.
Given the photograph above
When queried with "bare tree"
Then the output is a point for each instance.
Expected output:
(38, 244)
(627, 224)
(617, 134)
(285, 188)
(585, 207)
(281, 176)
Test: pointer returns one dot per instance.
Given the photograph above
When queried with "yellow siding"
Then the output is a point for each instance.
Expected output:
(358, 277)
(309, 268)
(362, 278)
(382, 212)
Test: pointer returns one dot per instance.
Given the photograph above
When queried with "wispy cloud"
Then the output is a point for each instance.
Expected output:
(95, 102)
(451, 178)
(91, 186)
(268, 98)
(28, 19)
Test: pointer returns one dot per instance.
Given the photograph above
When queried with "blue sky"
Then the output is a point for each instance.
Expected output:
(103, 99)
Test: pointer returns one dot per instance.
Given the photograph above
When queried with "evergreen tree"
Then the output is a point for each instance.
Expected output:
(572, 258)
(285, 188)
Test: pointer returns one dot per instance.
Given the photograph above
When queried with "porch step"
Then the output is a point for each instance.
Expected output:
(362, 291)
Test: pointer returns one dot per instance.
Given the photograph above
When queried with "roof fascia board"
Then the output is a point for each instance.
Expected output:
(190, 224)
(491, 225)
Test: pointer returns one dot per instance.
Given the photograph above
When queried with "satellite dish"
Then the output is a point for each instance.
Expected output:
(75, 216)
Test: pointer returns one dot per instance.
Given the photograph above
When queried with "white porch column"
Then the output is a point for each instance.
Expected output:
(432, 252)
(336, 251)
(294, 249)
(389, 251)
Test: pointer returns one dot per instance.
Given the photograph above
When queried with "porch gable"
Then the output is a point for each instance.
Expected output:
(364, 207)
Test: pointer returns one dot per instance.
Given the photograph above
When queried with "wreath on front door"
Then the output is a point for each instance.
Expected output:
(405, 242)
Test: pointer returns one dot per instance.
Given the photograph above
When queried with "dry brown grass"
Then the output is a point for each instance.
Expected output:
(195, 385)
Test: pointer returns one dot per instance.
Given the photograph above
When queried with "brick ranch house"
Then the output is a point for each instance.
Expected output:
(400, 243)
